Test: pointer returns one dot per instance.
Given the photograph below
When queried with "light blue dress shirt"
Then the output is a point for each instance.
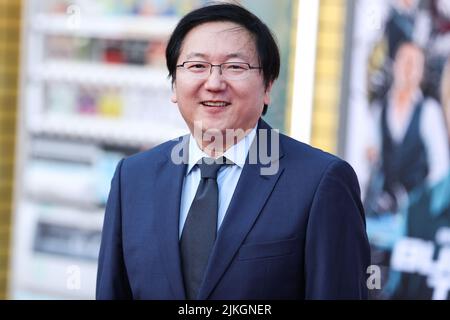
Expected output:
(227, 177)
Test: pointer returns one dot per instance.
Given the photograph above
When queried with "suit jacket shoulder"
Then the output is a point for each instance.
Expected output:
(314, 162)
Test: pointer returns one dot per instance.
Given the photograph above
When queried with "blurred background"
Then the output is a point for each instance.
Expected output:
(84, 84)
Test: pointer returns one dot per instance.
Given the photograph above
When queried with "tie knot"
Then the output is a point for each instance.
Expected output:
(209, 166)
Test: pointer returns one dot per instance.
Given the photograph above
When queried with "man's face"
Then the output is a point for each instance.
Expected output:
(215, 103)
(408, 67)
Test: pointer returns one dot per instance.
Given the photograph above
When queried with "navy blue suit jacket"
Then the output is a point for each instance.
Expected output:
(296, 234)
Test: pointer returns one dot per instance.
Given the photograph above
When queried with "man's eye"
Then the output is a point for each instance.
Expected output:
(235, 67)
(197, 66)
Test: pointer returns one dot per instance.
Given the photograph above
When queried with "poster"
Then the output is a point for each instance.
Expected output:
(397, 139)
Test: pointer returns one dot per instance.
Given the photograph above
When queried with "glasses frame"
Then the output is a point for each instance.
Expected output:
(204, 76)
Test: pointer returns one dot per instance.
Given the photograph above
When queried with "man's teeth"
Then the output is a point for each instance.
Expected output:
(215, 104)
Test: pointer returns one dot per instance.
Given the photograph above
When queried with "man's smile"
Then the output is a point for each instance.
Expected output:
(212, 103)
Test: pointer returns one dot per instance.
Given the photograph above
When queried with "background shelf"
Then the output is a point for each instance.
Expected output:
(115, 27)
(96, 74)
(93, 91)
(112, 131)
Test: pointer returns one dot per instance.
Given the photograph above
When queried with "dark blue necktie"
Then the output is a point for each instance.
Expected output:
(199, 232)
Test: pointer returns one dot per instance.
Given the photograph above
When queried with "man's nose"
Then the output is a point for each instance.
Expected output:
(215, 80)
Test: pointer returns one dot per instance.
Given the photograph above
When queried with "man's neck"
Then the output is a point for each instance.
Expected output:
(404, 97)
(215, 145)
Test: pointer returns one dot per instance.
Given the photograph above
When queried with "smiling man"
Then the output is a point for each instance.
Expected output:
(199, 218)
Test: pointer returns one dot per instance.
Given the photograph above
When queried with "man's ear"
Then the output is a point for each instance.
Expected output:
(267, 94)
(173, 98)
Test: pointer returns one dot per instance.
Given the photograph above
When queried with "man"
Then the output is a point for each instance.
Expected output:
(409, 152)
(420, 271)
(180, 227)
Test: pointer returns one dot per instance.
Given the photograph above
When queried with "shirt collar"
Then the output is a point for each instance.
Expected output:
(237, 153)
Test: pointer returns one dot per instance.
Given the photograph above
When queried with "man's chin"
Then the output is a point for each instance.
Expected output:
(208, 127)
(214, 130)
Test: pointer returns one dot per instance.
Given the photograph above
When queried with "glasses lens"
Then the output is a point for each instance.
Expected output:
(235, 70)
(197, 68)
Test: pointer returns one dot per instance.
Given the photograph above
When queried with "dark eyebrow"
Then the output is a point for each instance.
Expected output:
(228, 56)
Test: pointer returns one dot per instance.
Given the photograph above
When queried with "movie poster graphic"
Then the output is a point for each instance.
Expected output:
(397, 139)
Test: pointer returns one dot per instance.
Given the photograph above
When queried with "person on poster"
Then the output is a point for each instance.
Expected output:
(411, 139)
(257, 216)
(419, 261)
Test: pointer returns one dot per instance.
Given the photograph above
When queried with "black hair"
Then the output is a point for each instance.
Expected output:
(266, 46)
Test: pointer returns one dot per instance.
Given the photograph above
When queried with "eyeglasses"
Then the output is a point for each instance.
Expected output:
(229, 70)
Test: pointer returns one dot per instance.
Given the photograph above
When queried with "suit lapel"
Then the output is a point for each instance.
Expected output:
(242, 212)
(167, 209)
